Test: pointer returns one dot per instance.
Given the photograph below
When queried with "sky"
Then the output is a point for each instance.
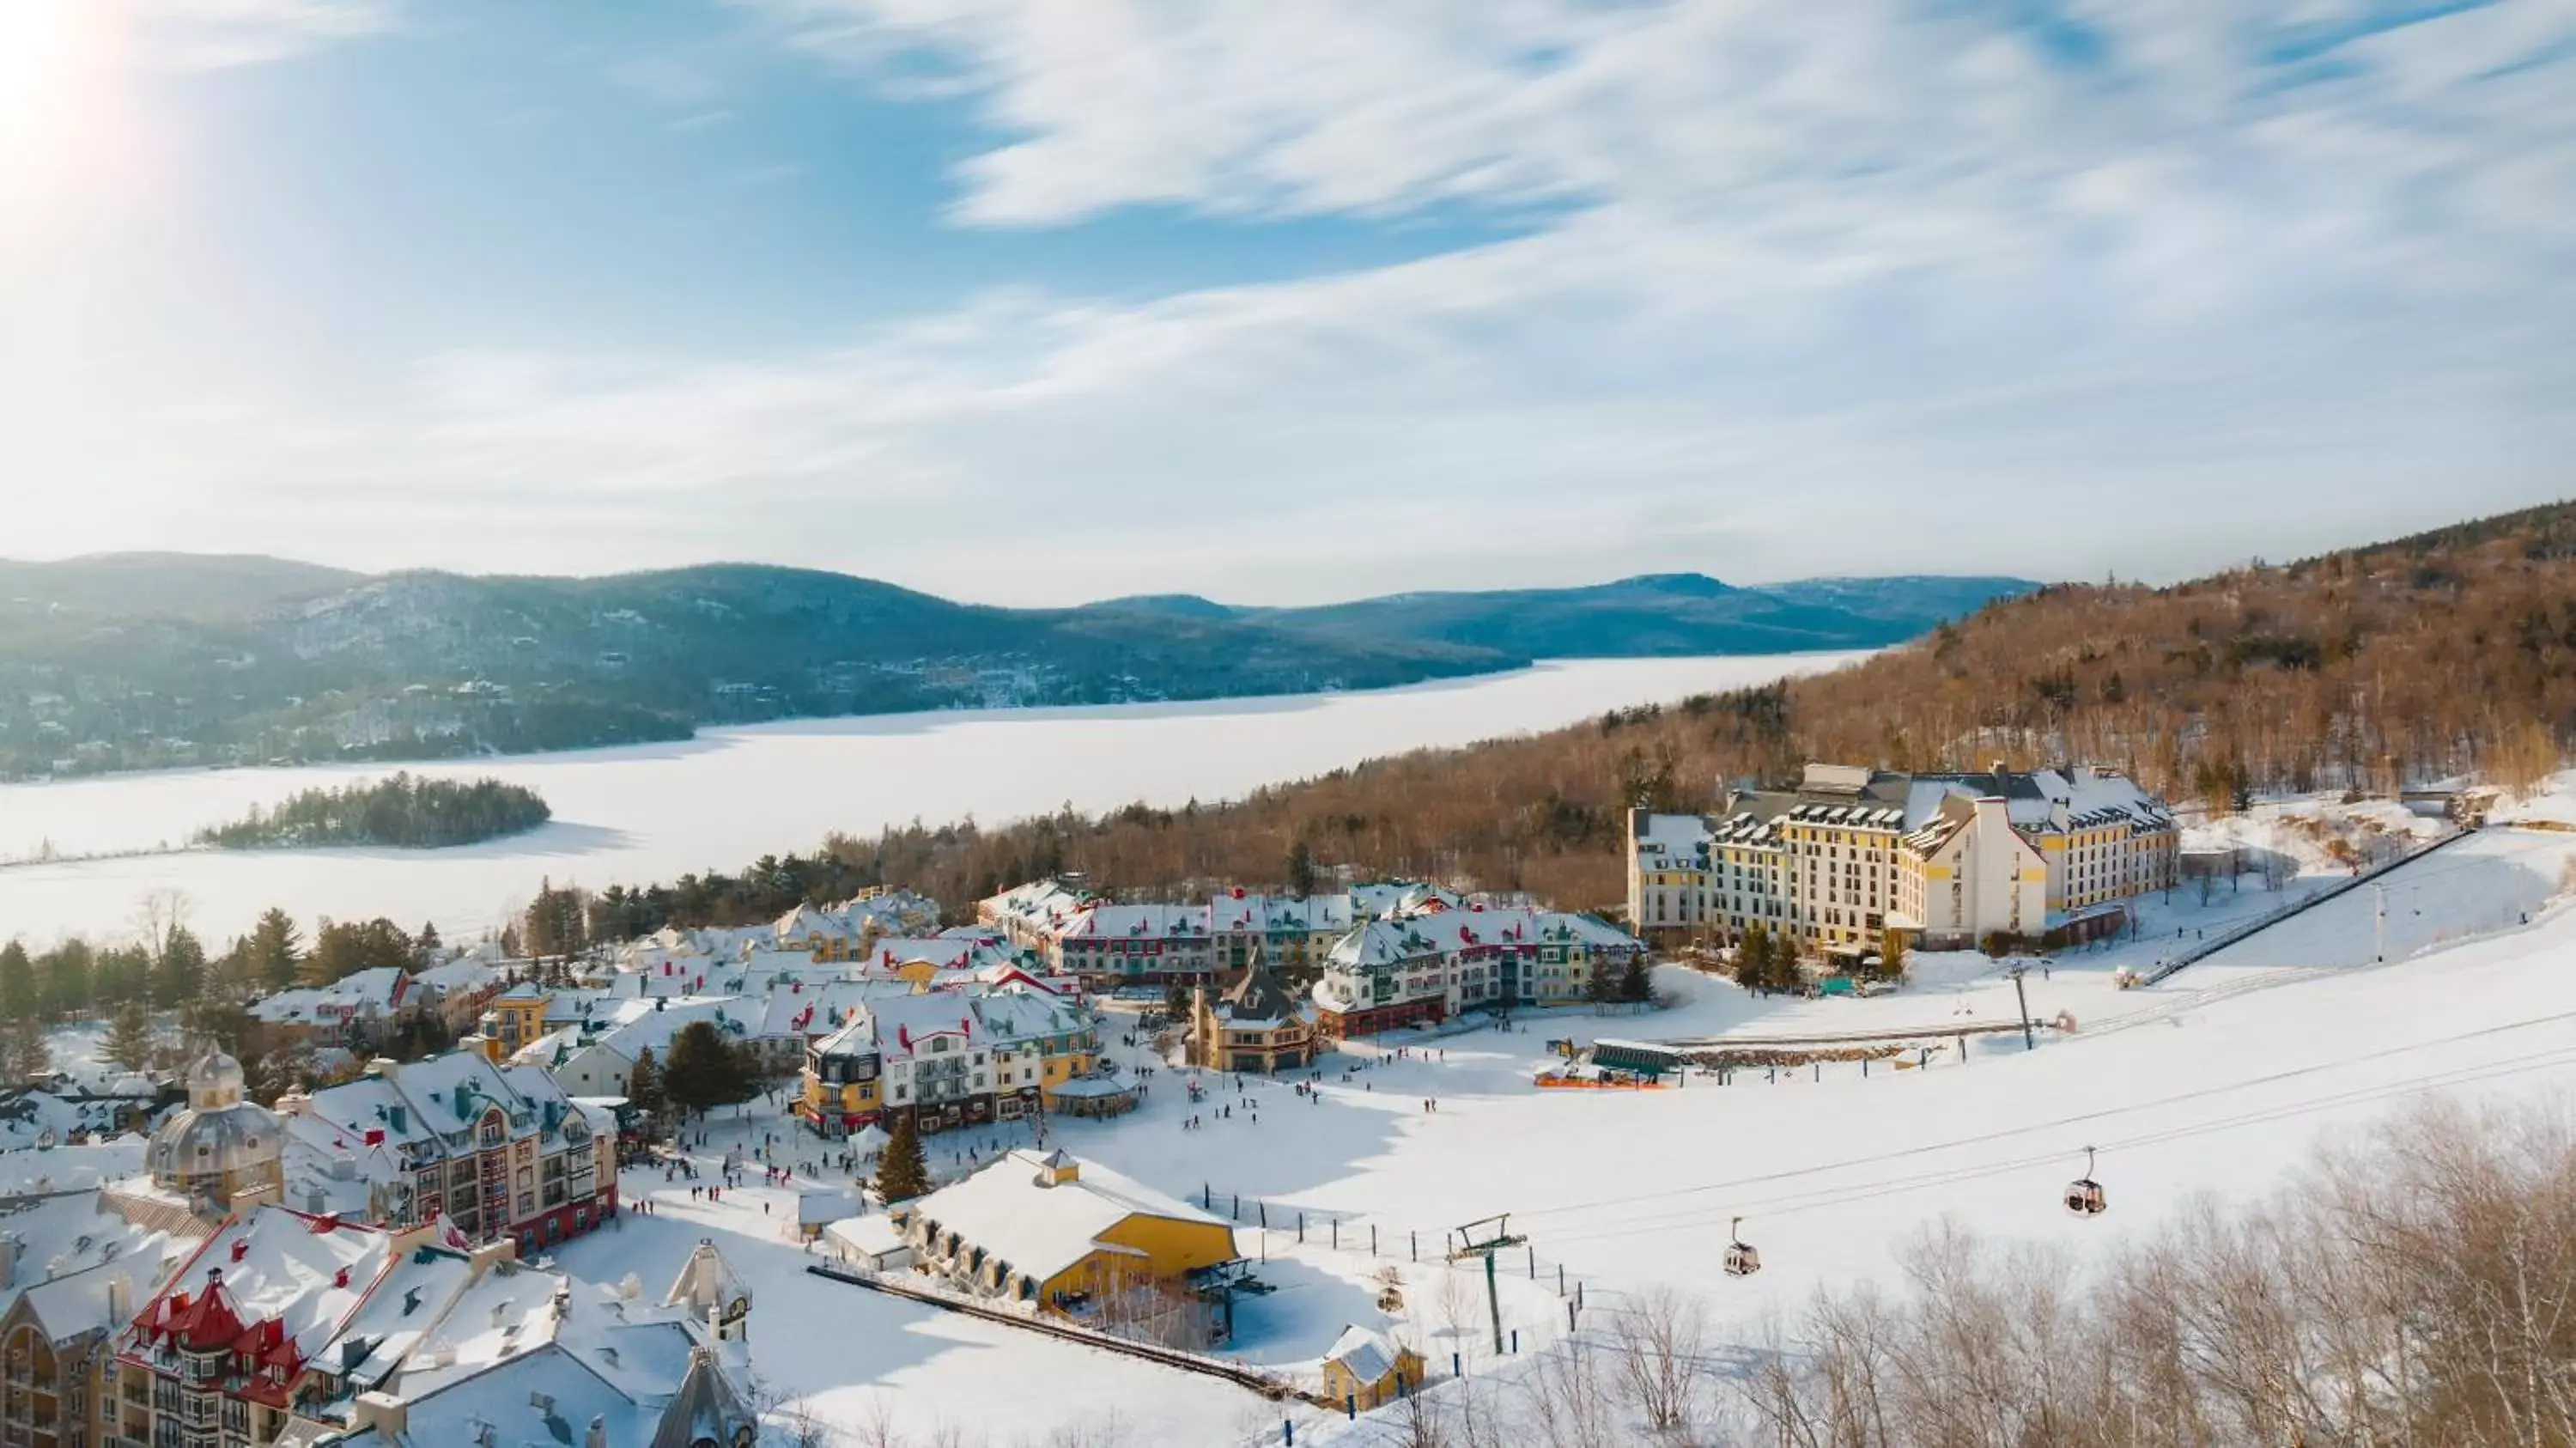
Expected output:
(1037, 301)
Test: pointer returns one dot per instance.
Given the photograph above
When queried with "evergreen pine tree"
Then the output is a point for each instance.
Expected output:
(705, 1070)
(1753, 957)
(120, 975)
(274, 947)
(17, 982)
(67, 977)
(644, 1083)
(1600, 987)
(902, 1172)
(1636, 985)
(1176, 1003)
(1301, 869)
(25, 1053)
(181, 971)
(129, 1036)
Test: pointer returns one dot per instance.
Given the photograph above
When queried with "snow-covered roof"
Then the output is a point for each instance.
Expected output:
(1367, 1355)
(456, 977)
(363, 993)
(893, 1026)
(437, 1102)
(270, 1281)
(1017, 1213)
(872, 1236)
(69, 1168)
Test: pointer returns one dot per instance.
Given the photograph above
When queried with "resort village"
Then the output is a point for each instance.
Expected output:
(1015, 1113)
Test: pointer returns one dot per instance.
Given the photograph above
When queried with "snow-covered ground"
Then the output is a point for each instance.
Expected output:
(2213, 1081)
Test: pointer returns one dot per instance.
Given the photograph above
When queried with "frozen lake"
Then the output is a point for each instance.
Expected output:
(722, 800)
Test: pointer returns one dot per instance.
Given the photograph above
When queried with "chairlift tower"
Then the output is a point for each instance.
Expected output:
(1484, 1237)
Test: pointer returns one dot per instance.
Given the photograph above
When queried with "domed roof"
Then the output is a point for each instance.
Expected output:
(221, 1134)
(214, 1080)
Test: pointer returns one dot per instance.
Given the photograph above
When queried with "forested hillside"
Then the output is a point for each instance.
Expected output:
(2364, 669)
(151, 660)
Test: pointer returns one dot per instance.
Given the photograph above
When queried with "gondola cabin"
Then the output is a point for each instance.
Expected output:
(1741, 1259)
(2084, 1195)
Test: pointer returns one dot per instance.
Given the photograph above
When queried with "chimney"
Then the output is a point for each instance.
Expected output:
(383, 1412)
(9, 1249)
(597, 1437)
(384, 1068)
(120, 1298)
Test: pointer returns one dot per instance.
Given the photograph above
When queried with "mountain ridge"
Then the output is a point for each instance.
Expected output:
(148, 660)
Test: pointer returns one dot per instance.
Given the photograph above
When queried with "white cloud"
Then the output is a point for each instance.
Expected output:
(1791, 297)
(216, 34)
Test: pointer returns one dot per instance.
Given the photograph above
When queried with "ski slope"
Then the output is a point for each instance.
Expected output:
(2212, 1082)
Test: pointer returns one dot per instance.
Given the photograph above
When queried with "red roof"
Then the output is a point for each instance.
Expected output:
(206, 1321)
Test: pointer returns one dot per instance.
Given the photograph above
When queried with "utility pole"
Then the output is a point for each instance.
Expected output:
(1484, 1237)
(2020, 969)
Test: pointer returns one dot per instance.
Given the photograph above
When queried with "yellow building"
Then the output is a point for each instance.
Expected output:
(1255, 1026)
(1079, 1241)
(1364, 1367)
(514, 1018)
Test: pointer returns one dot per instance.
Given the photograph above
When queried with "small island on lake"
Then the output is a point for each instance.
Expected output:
(404, 811)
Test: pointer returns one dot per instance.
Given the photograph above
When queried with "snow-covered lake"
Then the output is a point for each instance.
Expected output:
(732, 795)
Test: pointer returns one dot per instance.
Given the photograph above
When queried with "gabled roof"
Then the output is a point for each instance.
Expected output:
(1014, 1211)
(1367, 1355)
(1257, 996)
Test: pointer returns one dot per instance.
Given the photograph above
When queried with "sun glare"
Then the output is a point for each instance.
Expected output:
(55, 90)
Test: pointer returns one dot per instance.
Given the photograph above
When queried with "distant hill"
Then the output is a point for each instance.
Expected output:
(146, 660)
(1660, 614)
(177, 585)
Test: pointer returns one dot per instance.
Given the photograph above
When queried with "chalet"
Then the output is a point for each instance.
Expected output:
(1256, 1025)
(1077, 1240)
(1365, 1369)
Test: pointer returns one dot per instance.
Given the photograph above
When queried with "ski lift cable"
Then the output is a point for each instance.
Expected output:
(2078, 1118)
(1826, 1197)
(1832, 1197)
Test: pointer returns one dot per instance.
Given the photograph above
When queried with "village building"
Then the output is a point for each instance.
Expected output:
(947, 1059)
(498, 1153)
(1292, 934)
(1946, 860)
(1365, 1369)
(346, 1010)
(72, 1271)
(458, 990)
(516, 1017)
(1430, 964)
(223, 1149)
(1256, 1025)
(284, 1327)
(1080, 1241)
(256, 1324)
(1132, 947)
(849, 930)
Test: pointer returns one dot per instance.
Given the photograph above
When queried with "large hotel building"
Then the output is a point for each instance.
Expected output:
(1946, 859)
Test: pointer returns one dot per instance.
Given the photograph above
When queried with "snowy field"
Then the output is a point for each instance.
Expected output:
(2213, 1082)
(730, 796)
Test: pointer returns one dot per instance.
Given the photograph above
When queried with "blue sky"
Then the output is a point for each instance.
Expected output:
(1036, 301)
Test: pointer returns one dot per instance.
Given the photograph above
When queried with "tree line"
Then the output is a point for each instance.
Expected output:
(164, 966)
(405, 811)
